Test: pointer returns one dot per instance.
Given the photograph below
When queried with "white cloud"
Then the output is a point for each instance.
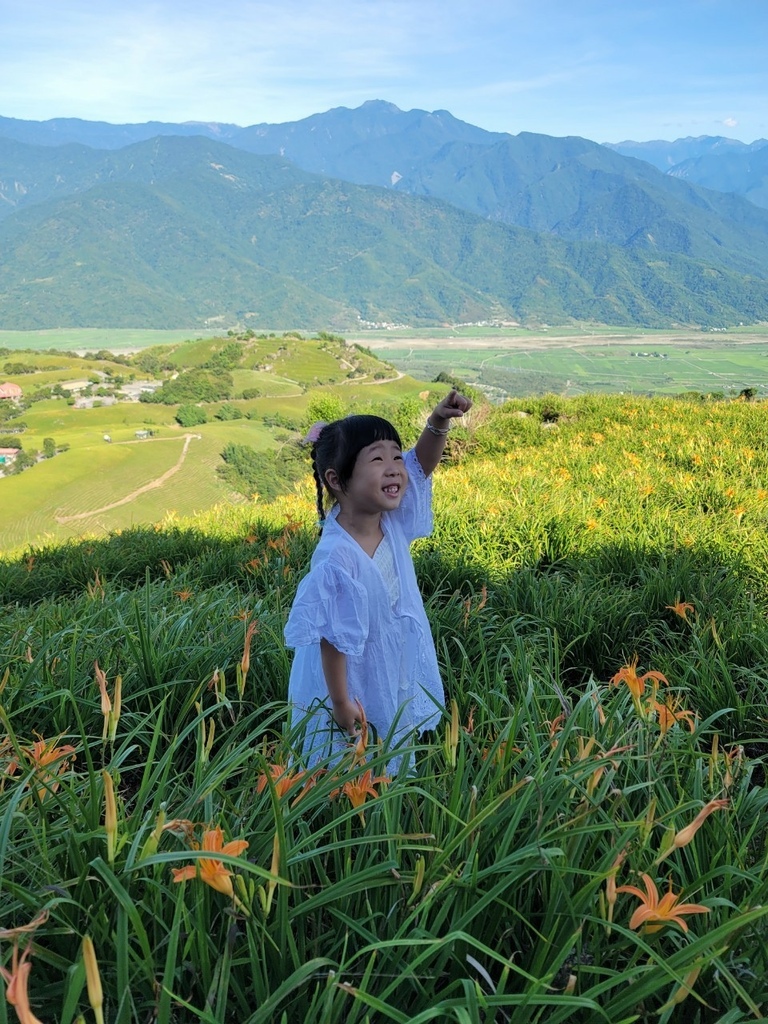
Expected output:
(730, 122)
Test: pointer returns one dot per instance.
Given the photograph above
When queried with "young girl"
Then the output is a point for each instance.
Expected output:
(358, 622)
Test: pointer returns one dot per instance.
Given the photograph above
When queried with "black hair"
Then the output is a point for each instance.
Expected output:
(338, 446)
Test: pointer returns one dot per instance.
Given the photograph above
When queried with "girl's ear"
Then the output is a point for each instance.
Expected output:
(332, 480)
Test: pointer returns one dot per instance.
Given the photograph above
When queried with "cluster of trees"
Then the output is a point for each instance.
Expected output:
(190, 415)
(267, 474)
(192, 386)
(14, 369)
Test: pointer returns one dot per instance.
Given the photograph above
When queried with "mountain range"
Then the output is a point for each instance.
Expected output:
(373, 215)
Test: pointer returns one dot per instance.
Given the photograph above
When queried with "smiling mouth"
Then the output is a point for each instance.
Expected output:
(392, 489)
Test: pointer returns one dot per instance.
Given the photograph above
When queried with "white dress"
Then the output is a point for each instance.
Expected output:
(371, 610)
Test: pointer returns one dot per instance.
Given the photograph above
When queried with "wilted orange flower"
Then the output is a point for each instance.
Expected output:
(25, 929)
(101, 679)
(17, 985)
(245, 663)
(731, 758)
(110, 712)
(43, 755)
(361, 743)
(210, 869)
(685, 835)
(653, 913)
(610, 884)
(681, 608)
(184, 595)
(635, 683)
(469, 728)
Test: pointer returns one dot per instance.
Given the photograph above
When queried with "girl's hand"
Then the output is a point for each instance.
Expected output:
(347, 716)
(453, 405)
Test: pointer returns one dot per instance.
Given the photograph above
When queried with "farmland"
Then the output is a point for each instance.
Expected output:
(574, 362)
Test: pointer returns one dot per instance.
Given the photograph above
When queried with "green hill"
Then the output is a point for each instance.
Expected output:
(251, 392)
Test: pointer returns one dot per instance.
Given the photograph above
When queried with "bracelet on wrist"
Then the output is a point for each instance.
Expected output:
(436, 430)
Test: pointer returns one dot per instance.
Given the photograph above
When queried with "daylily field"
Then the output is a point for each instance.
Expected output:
(582, 839)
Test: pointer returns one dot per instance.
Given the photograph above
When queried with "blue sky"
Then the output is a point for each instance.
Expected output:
(608, 70)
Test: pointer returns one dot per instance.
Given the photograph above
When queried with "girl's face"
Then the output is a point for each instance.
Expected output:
(378, 481)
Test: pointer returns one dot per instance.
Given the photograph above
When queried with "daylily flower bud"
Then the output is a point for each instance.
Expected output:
(110, 815)
(117, 700)
(93, 979)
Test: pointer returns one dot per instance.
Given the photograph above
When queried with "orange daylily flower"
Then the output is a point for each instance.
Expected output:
(685, 835)
(669, 715)
(210, 869)
(282, 777)
(17, 982)
(360, 788)
(653, 913)
(635, 683)
(681, 608)
(184, 595)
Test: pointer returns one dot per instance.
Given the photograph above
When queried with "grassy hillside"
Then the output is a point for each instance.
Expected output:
(596, 587)
(92, 487)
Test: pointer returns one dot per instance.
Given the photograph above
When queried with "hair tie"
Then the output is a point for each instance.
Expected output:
(314, 432)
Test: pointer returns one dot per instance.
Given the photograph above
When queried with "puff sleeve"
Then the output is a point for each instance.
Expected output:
(330, 604)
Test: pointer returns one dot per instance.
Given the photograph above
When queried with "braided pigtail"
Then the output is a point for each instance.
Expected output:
(320, 494)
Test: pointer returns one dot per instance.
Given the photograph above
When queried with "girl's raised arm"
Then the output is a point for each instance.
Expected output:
(431, 444)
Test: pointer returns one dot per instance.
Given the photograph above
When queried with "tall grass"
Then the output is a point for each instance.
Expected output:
(484, 881)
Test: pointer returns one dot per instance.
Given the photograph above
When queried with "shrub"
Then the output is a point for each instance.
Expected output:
(191, 415)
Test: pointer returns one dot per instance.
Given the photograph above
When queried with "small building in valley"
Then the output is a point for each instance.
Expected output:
(12, 391)
(8, 456)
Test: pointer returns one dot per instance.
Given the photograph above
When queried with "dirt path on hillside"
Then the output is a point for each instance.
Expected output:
(152, 485)
(386, 380)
